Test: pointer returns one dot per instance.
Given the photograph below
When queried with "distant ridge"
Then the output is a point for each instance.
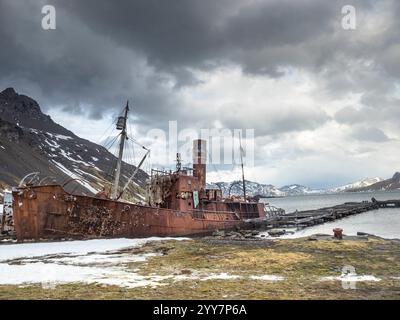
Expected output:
(390, 184)
(358, 184)
(267, 190)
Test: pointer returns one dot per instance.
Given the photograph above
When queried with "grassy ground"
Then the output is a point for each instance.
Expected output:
(301, 262)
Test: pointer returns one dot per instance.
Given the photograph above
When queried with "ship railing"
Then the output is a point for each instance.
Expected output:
(200, 214)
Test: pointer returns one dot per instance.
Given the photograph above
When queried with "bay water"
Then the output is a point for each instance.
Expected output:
(384, 223)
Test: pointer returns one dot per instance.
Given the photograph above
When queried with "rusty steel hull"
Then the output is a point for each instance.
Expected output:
(42, 212)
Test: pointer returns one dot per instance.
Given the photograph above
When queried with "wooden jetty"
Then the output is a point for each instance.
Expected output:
(308, 218)
(387, 203)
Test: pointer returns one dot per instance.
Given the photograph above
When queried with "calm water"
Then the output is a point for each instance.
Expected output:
(384, 222)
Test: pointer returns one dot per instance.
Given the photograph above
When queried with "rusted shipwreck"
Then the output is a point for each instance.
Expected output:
(177, 204)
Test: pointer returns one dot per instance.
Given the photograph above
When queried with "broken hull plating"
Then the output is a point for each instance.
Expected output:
(50, 212)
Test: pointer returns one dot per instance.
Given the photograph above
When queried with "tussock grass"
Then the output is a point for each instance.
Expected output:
(302, 263)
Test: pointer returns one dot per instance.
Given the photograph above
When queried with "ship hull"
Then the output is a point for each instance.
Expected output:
(49, 212)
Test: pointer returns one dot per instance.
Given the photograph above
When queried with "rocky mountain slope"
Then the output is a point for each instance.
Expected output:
(358, 184)
(31, 141)
(297, 189)
(383, 185)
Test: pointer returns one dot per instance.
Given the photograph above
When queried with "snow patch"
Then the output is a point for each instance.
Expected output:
(58, 136)
(62, 137)
(220, 276)
(86, 173)
(51, 274)
(80, 247)
(80, 180)
(67, 156)
(52, 143)
(90, 261)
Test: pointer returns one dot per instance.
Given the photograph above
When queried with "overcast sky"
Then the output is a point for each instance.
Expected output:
(323, 101)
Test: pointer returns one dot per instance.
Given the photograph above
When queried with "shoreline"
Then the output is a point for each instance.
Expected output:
(226, 269)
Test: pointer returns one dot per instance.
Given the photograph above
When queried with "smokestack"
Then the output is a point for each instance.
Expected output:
(199, 161)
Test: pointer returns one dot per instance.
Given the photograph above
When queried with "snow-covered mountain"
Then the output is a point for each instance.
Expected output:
(358, 184)
(252, 189)
(390, 184)
(297, 189)
(31, 141)
(258, 189)
(267, 190)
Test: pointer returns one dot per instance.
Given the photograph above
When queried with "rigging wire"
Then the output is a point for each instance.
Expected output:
(132, 142)
(112, 166)
(135, 152)
(149, 161)
(132, 149)
(110, 143)
(105, 134)
(135, 141)
(131, 154)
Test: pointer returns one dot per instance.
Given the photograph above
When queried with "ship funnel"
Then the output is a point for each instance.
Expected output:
(199, 161)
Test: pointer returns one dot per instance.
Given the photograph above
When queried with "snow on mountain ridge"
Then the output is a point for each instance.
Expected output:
(268, 190)
(259, 189)
(358, 184)
(252, 188)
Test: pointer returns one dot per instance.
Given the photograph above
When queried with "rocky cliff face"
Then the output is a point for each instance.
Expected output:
(25, 112)
(31, 141)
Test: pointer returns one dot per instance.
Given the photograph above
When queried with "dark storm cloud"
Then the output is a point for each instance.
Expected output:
(191, 33)
(73, 67)
(288, 119)
(104, 52)
(260, 36)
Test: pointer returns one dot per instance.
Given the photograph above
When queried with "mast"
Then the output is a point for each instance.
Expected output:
(121, 125)
(241, 161)
(133, 174)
